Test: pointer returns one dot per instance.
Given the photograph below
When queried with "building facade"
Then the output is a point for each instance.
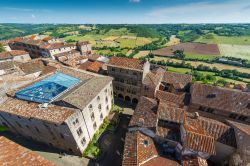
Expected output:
(70, 120)
(128, 75)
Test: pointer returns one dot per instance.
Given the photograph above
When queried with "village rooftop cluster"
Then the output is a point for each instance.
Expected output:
(59, 94)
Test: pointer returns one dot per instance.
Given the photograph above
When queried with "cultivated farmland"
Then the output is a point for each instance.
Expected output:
(193, 48)
(237, 51)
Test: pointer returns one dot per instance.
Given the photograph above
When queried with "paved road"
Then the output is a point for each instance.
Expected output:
(113, 144)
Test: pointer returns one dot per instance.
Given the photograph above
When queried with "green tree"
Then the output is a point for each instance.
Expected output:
(1, 48)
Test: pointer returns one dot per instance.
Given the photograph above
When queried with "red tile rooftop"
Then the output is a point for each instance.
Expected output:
(221, 99)
(145, 114)
(95, 67)
(242, 127)
(140, 149)
(175, 78)
(170, 113)
(13, 154)
(197, 138)
(52, 114)
(126, 63)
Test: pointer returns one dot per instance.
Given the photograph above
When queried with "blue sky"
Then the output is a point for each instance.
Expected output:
(125, 11)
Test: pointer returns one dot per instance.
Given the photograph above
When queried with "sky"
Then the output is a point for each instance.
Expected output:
(124, 11)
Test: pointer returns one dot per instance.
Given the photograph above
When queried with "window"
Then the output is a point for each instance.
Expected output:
(94, 126)
(77, 121)
(37, 130)
(107, 108)
(79, 131)
(19, 125)
(61, 135)
(242, 118)
(100, 107)
(146, 88)
(107, 100)
(211, 95)
(101, 116)
(83, 141)
(90, 108)
(233, 116)
(113, 69)
(106, 90)
(92, 116)
(98, 98)
(134, 73)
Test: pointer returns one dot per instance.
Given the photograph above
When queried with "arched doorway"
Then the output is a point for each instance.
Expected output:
(127, 98)
(120, 96)
(135, 101)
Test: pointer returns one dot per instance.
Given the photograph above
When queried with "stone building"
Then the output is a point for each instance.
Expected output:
(63, 109)
(242, 133)
(47, 47)
(220, 103)
(128, 75)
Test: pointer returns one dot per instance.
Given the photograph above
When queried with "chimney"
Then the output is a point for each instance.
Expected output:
(196, 115)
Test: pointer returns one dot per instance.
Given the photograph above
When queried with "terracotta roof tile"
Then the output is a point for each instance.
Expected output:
(85, 65)
(170, 113)
(220, 131)
(179, 98)
(126, 63)
(221, 98)
(95, 67)
(30, 67)
(13, 154)
(54, 114)
(242, 127)
(140, 149)
(176, 78)
(197, 138)
(145, 114)
(153, 78)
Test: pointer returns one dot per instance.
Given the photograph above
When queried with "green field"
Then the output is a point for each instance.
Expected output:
(185, 70)
(237, 51)
(200, 56)
(3, 128)
(215, 39)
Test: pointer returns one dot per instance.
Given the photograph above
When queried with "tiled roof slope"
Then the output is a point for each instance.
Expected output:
(145, 114)
(83, 94)
(54, 114)
(175, 78)
(197, 138)
(126, 63)
(221, 98)
(220, 131)
(31, 66)
(171, 97)
(140, 149)
(170, 112)
(95, 67)
(242, 127)
(154, 77)
(13, 154)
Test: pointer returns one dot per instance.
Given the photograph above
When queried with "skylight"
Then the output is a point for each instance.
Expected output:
(48, 89)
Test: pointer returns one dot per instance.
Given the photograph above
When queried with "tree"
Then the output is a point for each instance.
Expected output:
(1, 48)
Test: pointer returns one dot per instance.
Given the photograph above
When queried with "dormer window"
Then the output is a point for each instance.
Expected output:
(211, 95)
(145, 143)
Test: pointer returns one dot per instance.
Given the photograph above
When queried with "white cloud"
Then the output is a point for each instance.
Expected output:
(33, 16)
(134, 1)
(233, 11)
